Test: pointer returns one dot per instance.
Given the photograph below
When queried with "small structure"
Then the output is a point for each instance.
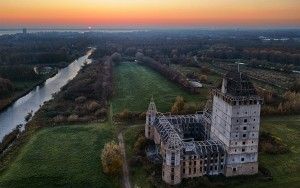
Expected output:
(195, 86)
(24, 31)
(223, 139)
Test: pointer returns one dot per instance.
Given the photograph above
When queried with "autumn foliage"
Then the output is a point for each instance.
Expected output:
(111, 158)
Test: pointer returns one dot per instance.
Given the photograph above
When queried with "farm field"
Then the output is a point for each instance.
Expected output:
(62, 156)
(135, 84)
(285, 168)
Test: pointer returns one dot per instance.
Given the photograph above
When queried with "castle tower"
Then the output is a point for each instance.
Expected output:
(171, 168)
(150, 119)
(235, 122)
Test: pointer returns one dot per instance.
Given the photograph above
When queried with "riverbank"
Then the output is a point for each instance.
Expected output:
(11, 100)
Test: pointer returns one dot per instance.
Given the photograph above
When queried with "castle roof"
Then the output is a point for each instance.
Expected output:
(239, 84)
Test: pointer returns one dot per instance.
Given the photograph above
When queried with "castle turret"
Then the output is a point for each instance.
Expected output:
(150, 119)
(235, 122)
(171, 169)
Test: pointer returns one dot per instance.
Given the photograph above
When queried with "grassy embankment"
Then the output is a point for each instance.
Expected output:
(135, 84)
(67, 156)
(285, 168)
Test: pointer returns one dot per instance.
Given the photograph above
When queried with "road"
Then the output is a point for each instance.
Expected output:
(125, 180)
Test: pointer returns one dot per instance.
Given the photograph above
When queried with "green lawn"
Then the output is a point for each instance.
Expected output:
(285, 168)
(135, 84)
(138, 174)
(67, 156)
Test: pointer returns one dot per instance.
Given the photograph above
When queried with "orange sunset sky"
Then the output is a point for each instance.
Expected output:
(149, 13)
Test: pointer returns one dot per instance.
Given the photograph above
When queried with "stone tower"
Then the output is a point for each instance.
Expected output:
(235, 122)
(150, 119)
(171, 168)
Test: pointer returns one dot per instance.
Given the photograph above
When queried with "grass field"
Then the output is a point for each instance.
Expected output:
(67, 156)
(285, 168)
(138, 174)
(135, 84)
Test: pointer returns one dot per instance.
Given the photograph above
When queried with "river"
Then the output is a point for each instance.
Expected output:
(16, 113)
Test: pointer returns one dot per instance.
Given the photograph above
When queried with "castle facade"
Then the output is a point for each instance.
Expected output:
(223, 139)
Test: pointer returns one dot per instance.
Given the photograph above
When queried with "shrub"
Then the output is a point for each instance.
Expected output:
(73, 118)
(203, 78)
(140, 145)
(93, 106)
(80, 99)
(178, 106)
(111, 158)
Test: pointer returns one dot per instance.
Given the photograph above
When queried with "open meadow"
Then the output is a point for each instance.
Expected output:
(135, 84)
(66, 156)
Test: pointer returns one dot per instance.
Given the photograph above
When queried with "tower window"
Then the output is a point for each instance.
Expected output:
(244, 143)
(234, 169)
(172, 177)
(183, 170)
(242, 159)
(245, 128)
(245, 120)
(244, 135)
(243, 149)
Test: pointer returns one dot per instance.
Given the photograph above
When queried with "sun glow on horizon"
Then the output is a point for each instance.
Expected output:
(150, 12)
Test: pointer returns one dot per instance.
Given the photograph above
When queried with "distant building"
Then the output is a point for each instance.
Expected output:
(221, 140)
(24, 31)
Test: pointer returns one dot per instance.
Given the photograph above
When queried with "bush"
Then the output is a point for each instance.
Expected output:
(6, 87)
(73, 118)
(80, 99)
(111, 158)
(178, 106)
(203, 78)
(139, 145)
(93, 106)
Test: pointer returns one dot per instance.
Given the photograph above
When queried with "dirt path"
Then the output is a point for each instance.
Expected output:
(125, 181)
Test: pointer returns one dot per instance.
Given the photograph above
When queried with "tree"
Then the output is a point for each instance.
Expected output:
(111, 158)
(178, 105)
(203, 78)
(6, 87)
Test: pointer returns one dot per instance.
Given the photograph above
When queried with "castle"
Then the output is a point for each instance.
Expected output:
(223, 139)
